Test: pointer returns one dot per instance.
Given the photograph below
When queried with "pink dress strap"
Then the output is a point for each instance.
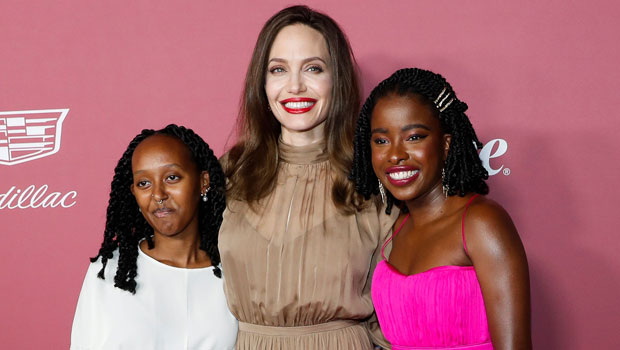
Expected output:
(392, 236)
(463, 222)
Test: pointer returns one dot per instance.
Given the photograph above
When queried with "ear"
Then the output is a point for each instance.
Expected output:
(204, 181)
(447, 138)
(132, 190)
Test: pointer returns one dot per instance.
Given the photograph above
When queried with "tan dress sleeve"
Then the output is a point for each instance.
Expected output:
(385, 224)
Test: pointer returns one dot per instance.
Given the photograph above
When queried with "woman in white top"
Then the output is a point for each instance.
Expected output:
(156, 283)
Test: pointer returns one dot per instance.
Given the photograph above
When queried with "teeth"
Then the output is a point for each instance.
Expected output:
(298, 105)
(401, 175)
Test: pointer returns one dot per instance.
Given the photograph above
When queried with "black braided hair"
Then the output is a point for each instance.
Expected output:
(125, 226)
(464, 172)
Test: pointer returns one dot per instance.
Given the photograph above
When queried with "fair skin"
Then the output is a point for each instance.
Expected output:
(298, 84)
(167, 187)
(408, 153)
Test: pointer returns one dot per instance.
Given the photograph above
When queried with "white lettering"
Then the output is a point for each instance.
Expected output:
(51, 200)
(64, 198)
(486, 156)
(37, 195)
(8, 204)
(31, 197)
(4, 196)
(24, 196)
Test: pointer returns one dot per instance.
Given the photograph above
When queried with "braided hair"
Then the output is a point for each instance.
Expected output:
(463, 169)
(125, 226)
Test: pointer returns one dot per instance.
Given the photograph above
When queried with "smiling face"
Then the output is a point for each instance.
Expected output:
(167, 185)
(298, 82)
(408, 147)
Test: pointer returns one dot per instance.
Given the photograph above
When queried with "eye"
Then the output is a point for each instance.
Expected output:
(173, 178)
(380, 141)
(315, 68)
(142, 184)
(276, 69)
(415, 137)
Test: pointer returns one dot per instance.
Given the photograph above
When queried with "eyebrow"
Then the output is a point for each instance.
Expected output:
(404, 128)
(415, 126)
(172, 165)
(306, 60)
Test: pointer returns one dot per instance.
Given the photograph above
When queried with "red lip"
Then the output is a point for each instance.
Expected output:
(399, 168)
(298, 99)
(162, 212)
(394, 169)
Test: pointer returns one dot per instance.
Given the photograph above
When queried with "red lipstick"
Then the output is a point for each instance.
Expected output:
(304, 101)
(401, 175)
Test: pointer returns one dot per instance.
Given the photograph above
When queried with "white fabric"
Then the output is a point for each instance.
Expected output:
(173, 308)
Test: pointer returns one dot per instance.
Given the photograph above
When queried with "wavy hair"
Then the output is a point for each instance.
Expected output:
(251, 165)
(463, 169)
(125, 226)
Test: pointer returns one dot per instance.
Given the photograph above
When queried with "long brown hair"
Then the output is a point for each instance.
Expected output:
(251, 165)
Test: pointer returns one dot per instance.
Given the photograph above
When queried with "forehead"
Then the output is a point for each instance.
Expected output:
(403, 110)
(159, 150)
(299, 41)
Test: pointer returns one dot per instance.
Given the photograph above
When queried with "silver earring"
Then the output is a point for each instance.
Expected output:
(139, 209)
(382, 191)
(204, 195)
(445, 187)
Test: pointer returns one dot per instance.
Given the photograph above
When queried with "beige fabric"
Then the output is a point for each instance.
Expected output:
(297, 261)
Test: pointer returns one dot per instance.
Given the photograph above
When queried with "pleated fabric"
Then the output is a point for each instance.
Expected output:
(295, 260)
(441, 308)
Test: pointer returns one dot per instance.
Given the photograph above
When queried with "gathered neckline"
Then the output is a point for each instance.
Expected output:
(302, 155)
(432, 269)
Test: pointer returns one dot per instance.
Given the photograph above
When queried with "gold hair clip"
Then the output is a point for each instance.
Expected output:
(439, 101)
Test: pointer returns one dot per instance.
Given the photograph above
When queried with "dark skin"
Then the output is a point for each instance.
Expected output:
(406, 134)
(167, 187)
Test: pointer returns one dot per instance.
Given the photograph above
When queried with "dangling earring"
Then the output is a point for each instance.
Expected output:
(382, 191)
(445, 187)
(204, 194)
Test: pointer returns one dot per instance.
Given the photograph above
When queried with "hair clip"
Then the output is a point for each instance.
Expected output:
(439, 101)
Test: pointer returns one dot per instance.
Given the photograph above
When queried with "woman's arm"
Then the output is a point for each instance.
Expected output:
(497, 254)
(81, 336)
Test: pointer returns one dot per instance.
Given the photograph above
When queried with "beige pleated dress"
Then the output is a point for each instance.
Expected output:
(297, 272)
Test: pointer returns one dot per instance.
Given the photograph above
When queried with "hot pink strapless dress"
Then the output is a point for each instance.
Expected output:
(441, 308)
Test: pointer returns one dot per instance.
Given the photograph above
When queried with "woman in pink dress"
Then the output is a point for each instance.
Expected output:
(457, 275)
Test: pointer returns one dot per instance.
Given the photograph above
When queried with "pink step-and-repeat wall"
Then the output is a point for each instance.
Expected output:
(80, 78)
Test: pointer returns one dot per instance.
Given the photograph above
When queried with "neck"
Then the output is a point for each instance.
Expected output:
(303, 138)
(178, 251)
(428, 206)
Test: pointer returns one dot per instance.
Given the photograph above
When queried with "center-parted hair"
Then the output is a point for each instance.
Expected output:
(251, 165)
(125, 225)
(464, 172)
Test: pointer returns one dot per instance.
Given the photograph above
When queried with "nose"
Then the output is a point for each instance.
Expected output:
(159, 192)
(296, 83)
(397, 153)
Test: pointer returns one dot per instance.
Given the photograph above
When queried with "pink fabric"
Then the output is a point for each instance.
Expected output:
(441, 308)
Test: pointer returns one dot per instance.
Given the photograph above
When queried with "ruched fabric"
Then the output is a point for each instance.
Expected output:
(296, 261)
(346, 335)
(441, 308)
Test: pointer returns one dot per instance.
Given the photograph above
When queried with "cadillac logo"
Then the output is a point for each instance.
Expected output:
(29, 135)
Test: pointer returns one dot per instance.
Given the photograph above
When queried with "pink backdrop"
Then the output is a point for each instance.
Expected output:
(540, 75)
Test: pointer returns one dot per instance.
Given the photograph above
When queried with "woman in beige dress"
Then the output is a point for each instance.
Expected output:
(298, 245)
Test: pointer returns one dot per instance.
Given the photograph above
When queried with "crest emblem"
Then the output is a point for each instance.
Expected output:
(29, 135)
